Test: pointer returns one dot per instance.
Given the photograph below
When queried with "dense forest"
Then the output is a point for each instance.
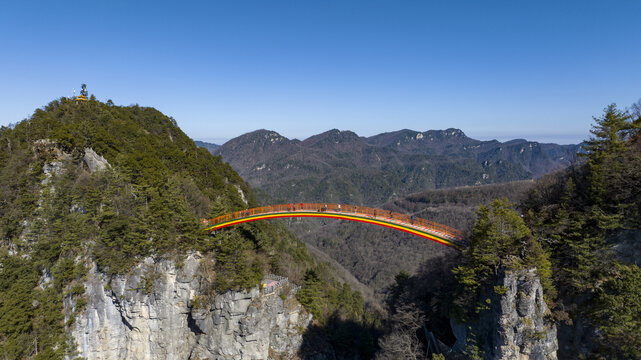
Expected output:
(58, 217)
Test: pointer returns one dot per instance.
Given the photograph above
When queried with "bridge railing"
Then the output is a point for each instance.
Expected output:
(334, 208)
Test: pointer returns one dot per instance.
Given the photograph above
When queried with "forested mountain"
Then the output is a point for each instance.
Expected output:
(94, 188)
(340, 166)
(91, 188)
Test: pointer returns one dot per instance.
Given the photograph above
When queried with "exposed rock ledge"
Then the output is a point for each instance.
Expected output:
(94, 161)
(151, 314)
(516, 324)
(522, 320)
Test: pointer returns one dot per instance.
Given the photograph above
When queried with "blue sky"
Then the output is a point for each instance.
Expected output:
(495, 69)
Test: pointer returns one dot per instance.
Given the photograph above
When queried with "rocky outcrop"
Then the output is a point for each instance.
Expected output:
(53, 157)
(94, 161)
(518, 319)
(157, 312)
(515, 323)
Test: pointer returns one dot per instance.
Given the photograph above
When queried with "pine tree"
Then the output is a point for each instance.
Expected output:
(501, 241)
(618, 305)
(604, 150)
(310, 294)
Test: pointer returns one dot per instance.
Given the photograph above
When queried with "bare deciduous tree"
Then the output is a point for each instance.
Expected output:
(403, 342)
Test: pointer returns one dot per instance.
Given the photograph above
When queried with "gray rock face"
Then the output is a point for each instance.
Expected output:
(94, 161)
(516, 324)
(153, 313)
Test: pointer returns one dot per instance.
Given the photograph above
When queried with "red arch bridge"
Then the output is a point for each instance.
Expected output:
(439, 233)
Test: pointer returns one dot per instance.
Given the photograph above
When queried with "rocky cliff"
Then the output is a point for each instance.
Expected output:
(514, 323)
(157, 311)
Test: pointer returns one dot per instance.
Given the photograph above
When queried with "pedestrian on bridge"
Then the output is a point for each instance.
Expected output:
(339, 207)
(290, 207)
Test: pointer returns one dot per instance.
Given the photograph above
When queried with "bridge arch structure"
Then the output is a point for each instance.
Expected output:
(436, 232)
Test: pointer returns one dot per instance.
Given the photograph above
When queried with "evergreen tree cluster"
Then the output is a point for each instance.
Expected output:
(501, 241)
(579, 217)
(341, 311)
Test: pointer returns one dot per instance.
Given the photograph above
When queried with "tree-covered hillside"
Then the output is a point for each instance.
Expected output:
(93, 183)
(579, 228)
(582, 219)
(149, 199)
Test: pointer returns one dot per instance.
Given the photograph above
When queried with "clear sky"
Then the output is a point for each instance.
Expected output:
(495, 69)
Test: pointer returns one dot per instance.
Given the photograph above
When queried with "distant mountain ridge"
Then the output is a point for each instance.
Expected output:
(536, 158)
(344, 167)
(211, 147)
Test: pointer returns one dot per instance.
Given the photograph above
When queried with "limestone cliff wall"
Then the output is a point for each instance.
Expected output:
(518, 320)
(155, 312)
(515, 323)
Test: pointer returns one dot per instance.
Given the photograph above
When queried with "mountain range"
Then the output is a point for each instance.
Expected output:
(340, 166)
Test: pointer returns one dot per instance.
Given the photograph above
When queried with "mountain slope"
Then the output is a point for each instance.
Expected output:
(93, 190)
(340, 166)
(85, 185)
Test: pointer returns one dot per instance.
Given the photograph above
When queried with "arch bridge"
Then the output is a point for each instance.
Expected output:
(436, 232)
